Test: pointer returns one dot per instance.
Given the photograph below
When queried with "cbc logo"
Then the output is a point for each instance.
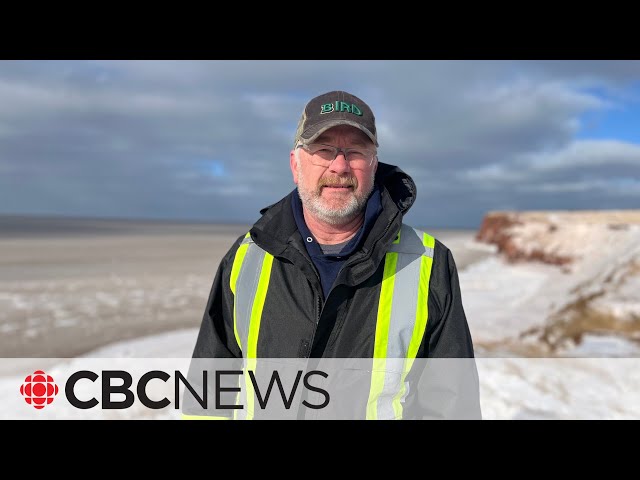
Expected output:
(39, 389)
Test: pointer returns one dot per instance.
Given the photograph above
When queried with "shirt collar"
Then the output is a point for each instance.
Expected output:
(372, 210)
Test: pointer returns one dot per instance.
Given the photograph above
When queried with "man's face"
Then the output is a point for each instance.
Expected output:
(338, 193)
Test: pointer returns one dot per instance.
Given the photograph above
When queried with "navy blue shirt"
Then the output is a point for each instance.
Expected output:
(328, 266)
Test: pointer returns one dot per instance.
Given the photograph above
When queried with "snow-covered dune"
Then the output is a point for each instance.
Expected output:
(562, 281)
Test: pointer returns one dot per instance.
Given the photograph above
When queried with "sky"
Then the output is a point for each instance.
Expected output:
(210, 140)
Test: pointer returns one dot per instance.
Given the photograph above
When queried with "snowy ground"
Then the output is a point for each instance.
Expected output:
(590, 308)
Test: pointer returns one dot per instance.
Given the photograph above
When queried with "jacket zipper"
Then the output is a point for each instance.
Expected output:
(319, 298)
(318, 314)
(318, 308)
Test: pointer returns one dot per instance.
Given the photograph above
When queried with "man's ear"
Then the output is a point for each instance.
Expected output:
(294, 166)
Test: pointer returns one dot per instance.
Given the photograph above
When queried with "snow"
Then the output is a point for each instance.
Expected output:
(553, 388)
(495, 297)
(516, 303)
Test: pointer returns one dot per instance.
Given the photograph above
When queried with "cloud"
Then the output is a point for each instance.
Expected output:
(211, 139)
(612, 186)
(598, 153)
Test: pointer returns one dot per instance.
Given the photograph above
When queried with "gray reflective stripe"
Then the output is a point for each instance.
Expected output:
(402, 321)
(392, 380)
(246, 288)
(403, 306)
(401, 324)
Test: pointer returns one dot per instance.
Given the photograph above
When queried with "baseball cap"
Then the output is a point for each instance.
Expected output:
(331, 109)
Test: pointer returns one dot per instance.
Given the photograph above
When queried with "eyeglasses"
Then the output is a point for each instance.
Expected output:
(322, 155)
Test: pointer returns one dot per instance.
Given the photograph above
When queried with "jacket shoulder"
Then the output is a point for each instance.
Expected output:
(412, 240)
(439, 248)
(231, 252)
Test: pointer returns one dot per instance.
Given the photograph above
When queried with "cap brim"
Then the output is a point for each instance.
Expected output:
(314, 132)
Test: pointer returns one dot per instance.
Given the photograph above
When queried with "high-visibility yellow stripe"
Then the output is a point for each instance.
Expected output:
(254, 329)
(251, 366)
(420, 326)
(422, 310)
(384, 305)
(237, 263)
(258, 305)
(428, 240)
(202, 417)
(235, 271)
(382, 334)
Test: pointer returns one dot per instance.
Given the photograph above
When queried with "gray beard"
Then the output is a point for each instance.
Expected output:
(333, 216)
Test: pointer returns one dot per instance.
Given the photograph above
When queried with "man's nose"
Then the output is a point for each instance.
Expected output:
(340, 164)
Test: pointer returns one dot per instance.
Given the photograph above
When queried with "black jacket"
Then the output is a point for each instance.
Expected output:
(297, 322)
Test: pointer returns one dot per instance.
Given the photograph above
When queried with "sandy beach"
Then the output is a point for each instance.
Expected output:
(70, 286)
(63, 293)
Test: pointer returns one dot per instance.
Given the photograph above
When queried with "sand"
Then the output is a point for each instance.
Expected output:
(65, 295)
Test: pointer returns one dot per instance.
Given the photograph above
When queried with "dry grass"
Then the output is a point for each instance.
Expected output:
(579, 318)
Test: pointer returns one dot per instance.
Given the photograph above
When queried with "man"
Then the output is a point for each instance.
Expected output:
(331, 271)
